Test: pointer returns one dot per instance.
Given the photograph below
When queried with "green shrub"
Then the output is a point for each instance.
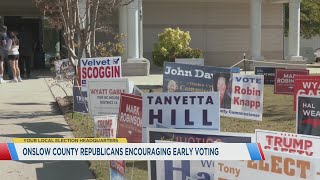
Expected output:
(173, 43)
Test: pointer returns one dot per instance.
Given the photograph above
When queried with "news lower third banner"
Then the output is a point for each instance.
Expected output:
(119, 149)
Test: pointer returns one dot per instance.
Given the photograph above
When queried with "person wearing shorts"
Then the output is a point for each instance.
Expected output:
(13, 56)
(2, 55)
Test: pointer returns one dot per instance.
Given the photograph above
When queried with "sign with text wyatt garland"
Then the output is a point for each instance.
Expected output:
(99, 68)
(104, 95)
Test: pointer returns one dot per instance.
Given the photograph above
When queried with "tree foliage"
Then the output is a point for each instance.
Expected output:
(79, 20)
(310, 18)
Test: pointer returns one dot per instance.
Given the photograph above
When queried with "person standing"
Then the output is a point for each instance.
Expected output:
(26, 51)
(2, 47)
(13, 56)
(7, 69)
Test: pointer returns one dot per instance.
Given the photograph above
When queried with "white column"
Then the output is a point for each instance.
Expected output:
(294, 30)
(140, 30)
(133, 30)
(123, 29)
(255, 15)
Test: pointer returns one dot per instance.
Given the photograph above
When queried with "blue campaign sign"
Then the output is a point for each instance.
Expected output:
(185, 170)
(79, 98)
(190, 78)
(269, 74)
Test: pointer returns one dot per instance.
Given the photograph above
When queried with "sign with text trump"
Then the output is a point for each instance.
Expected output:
(284, 80)
(308, 115)
(130, 118)
(105, 126)
(183, 110)
(99, 68)
(306, 85)
(104, 95)
(242, 97)
(289, 142)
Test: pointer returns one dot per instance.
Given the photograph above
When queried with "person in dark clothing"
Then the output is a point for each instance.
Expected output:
(26, 51)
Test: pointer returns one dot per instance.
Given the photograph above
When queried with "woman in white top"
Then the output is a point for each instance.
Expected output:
(13, 56)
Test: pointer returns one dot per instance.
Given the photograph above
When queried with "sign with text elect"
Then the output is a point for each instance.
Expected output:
(130, 118)
(245, 100)
(99, 68)
(183, 110)
(284, 80)
(298, 144)
(104, 95)
(308, 115)
(277, 166)
(306, 85)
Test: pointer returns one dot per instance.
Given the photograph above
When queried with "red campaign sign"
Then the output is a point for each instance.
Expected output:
(284, 80)
(306, 85)
(130, 118)
(119, 166)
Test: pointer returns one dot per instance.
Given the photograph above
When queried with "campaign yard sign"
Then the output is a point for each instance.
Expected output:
(276, 166)
(130, 118)
(64, 70)
(308, 115)
(189, 78)
(306, 85)
(242, 98)
(284, 80)
(105, 126)
(104, 95)
(80, 102)
(184, 110)
(267, 72)
(99, 68)
(289, 143)
(183, 170)
(117, 170)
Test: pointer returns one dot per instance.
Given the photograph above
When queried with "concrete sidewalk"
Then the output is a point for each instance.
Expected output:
(27, 109)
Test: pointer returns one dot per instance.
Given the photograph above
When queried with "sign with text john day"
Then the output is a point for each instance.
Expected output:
(104, 95)
(269, 74)
(308, 115)
(99, 68)
(183, 110)
(80, 103)
(240, 96)
(306, 85)
(183, 170)
(276, 166)
(284, 80)
(289, 142)
(105, 126)
(130, 118)
(189, 78)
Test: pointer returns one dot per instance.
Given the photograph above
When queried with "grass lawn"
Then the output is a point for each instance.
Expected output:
(278, 116)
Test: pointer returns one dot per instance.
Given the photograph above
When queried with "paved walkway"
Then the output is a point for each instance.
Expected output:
(27, 109)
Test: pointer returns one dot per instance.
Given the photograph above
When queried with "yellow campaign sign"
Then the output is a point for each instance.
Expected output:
(69, 140)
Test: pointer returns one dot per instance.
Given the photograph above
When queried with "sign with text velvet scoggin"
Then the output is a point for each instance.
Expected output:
(98, 68)
(184, 170)
(185, 110)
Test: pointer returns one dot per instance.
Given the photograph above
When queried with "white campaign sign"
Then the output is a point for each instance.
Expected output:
(188, 110)
(63, 69)
(289, 142)
(104, 95)
(99, 68)
(246, 97)
(277, 166)
(105, 126)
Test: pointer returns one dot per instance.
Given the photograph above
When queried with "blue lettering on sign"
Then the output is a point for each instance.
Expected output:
(248, 80)
(96, 63)
(185, 171)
